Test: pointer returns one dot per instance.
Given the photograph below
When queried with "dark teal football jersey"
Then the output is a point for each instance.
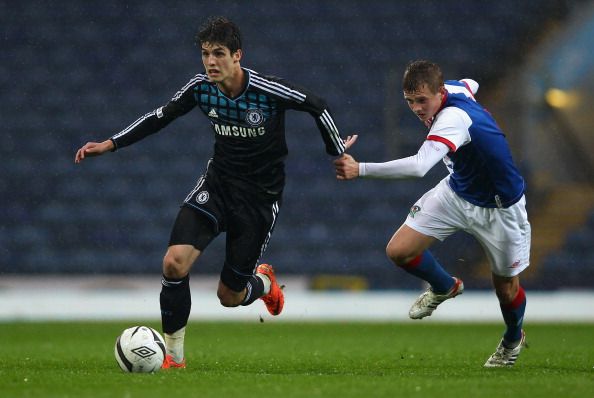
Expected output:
(249, 129)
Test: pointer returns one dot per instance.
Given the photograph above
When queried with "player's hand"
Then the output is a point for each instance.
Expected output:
(93, 149)
(350, 140)
(346, 167)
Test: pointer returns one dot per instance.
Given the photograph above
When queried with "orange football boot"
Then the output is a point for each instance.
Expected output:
(169, 363)
(275, 299)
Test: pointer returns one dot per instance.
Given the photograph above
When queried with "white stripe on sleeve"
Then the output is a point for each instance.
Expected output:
(327, 121)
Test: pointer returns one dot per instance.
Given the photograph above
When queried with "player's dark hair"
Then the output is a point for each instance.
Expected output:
(422, 72)
(221, 31)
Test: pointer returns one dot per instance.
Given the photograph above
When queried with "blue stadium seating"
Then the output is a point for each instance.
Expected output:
(573, 264)
(84, 70)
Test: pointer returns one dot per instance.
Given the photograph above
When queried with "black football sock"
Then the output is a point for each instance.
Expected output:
(255, 290)
(175, 303)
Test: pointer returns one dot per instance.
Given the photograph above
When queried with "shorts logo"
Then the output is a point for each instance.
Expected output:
(515, 265)
(414, 210)
(202, 197)
(254, 117)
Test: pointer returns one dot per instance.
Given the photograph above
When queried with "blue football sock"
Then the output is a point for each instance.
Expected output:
(513, 315)
(427, 268)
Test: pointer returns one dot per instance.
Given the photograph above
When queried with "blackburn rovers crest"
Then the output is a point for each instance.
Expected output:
(414, 210)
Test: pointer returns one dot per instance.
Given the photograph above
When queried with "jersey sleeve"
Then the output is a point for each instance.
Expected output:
(182, 102)
(418, 165)
(471, 85)
(451, 128)
(301, 99)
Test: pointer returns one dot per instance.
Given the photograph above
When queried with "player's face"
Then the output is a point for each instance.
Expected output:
(424, 103)
(220, 64)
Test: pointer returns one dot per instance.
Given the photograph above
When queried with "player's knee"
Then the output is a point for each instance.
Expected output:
(173, 266)
(399, 255)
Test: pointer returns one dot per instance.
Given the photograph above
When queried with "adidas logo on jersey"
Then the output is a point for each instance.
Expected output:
(212, 113)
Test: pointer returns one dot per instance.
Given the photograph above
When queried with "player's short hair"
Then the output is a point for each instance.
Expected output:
(221, 31)
(422, 72)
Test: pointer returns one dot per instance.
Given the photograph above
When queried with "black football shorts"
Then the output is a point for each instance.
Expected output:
(219, 204)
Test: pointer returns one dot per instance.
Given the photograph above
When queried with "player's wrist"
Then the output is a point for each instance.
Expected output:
(361, 169)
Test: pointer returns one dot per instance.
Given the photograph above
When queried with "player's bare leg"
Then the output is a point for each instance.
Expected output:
(406, 244)
(229, 297)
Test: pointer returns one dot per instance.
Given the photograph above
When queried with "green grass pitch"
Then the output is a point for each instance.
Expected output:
(287, 359)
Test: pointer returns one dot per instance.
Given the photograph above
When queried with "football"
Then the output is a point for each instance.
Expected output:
(140, 349)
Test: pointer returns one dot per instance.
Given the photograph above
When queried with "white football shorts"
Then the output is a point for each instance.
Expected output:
(504, 233)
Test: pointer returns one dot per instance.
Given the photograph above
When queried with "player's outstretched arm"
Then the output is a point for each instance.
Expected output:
(346, 167)
(93, 149)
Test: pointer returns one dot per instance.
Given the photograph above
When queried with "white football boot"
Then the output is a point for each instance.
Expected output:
(428, 301)
(504, 357)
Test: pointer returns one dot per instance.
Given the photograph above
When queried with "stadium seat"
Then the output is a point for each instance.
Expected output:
(86, 70)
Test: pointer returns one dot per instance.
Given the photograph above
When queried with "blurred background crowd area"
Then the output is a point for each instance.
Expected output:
(73, 72)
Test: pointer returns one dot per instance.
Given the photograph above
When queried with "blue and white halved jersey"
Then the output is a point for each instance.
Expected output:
(481, 167)
(250, 143)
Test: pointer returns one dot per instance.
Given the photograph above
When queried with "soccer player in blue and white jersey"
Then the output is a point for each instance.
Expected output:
(483, 195)
(240, 192)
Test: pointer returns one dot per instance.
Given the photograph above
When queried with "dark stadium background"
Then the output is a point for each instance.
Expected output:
(73, 72)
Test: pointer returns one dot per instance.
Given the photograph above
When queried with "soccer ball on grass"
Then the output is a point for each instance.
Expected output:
(140, 349)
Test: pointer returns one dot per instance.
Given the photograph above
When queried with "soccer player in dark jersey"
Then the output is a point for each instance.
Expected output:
(483, 194)
(240, 192)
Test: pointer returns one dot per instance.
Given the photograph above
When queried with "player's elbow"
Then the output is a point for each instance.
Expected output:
(417, 173)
